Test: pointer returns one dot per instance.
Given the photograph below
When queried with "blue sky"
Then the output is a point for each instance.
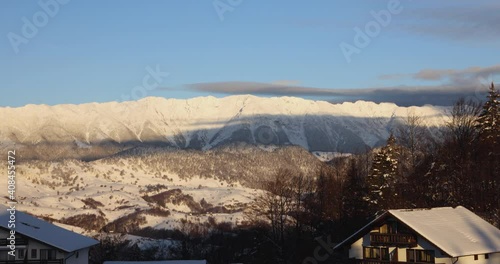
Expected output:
(98, 51)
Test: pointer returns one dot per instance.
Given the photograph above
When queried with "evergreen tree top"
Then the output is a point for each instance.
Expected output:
(488, 122)
(391, 141)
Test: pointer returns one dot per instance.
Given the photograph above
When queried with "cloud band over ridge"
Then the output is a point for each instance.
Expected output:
(471, 83)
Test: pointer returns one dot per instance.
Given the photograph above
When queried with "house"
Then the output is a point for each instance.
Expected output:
(440, 235)
(38, 241)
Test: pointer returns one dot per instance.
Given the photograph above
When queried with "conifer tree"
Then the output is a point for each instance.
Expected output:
(489, 119)
(382, 178)
(487, 180)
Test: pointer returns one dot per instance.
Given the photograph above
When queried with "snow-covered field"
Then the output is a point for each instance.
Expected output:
(57, 190)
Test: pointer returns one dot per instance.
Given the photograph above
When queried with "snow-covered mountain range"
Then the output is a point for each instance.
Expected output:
(95, 130)
(157, 161)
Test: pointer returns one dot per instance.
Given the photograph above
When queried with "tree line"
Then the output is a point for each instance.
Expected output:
(412, 170)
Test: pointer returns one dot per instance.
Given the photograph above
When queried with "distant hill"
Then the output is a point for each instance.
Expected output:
(154, 187)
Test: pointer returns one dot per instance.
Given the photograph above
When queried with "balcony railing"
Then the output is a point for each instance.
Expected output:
(377, 239)
(19, 241)
(33, 261)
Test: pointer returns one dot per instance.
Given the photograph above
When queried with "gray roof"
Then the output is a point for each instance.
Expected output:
(457, 231)
(45, 232)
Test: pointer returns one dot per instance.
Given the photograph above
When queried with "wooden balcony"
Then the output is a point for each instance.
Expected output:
(33, 261)
(405, 240)
(19, 241)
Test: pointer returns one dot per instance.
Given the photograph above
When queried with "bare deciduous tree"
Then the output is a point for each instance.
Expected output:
(411, 135)
(462, 126)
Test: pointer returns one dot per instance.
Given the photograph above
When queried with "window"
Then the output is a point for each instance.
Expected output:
(425, 256)
(34, 254)
(384, 254)
(486, 256)
(417, 255)
(372, 253)
(47, 254)
(410, 255)
(20, 254)
(4, 255)
(376, 253)
(476, 257)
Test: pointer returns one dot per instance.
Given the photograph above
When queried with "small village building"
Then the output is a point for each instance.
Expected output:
(440, 235)
(38, 241)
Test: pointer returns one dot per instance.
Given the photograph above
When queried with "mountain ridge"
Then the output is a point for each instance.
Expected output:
(101, 129)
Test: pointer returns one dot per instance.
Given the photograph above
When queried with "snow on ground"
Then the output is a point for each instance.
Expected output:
(327, 156)
(145, 243)
(58, 191)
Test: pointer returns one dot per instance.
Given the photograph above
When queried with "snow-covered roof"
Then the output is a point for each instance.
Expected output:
(159, 262)
(45, 232)
(456, 231)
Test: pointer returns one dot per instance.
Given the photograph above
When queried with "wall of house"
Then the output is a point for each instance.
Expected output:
(32, 244)
(78, 257)
(356, 251)
(402, 254)
(439, 256)
(493, 259)
(4, 233)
